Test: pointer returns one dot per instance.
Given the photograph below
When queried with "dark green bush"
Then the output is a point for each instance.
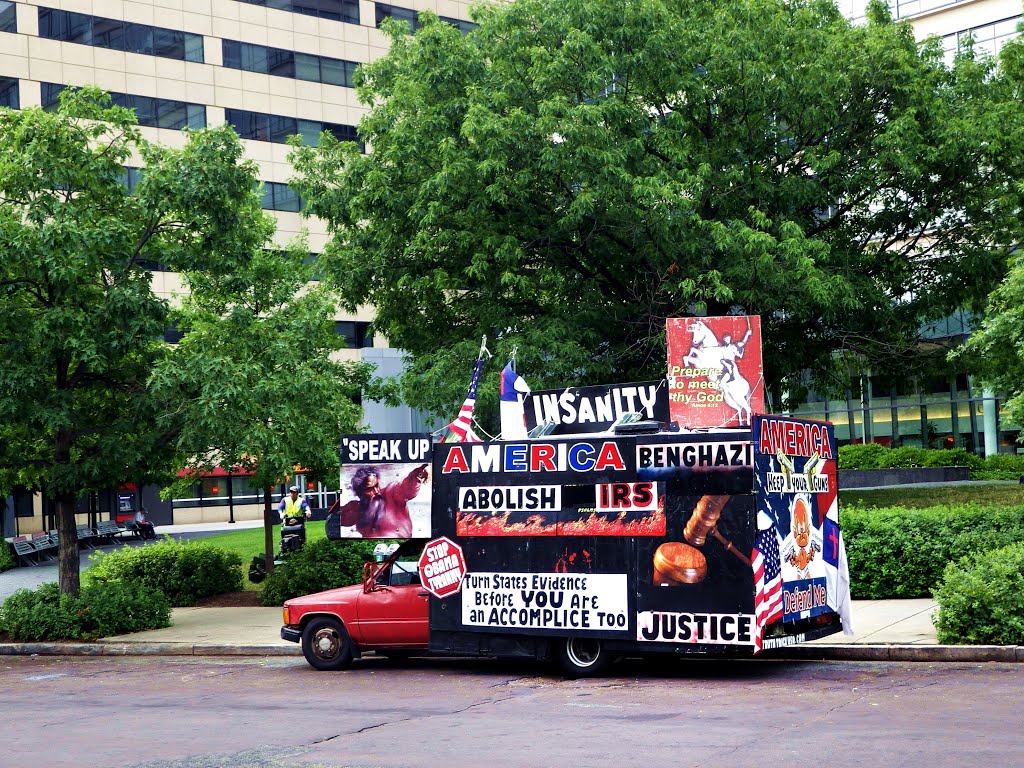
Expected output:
(100, 610)
(184, 571)
(321, 565)
(981, 599)
(7, 559)
(866, 456)
(1000, 466)
(877, 456)
(901, 553)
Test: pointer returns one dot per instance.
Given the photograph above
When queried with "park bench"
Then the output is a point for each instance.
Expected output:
(108, 529)
(44, 544)
(86, 536)
(24, 551)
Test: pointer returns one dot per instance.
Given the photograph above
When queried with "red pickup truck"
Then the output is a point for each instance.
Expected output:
(386, 614)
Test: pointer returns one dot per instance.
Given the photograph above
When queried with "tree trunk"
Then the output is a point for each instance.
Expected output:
(64, 502)
(268, 531)
(68, 559)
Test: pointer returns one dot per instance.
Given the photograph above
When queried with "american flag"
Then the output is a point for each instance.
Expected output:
(767, 581)
(461, 430)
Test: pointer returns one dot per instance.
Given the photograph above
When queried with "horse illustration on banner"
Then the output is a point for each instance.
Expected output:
(714, 371)
(707, 352)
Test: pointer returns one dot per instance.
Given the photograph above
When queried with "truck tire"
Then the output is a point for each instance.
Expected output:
(583, 657)
(326, 644)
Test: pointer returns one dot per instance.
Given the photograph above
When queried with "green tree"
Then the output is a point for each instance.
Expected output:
(258, 380)
(995, 351)
(80, 325)
(573, 172)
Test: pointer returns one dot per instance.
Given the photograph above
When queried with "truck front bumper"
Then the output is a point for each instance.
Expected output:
(291, 634)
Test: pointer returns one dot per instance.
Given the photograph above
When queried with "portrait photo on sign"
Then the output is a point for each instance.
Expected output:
(384, 501)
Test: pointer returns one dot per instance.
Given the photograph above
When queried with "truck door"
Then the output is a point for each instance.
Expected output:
(396, 614)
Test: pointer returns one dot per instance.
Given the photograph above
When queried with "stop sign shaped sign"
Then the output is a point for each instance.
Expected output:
(442, 567)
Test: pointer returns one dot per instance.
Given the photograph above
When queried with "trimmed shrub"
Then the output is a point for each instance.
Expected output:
(981, 599)
(902, 553)
(1000, 466)
(100, 610)
(865, 456)
(184, 571)
(7, 559)
(321, 565)
(877, 456)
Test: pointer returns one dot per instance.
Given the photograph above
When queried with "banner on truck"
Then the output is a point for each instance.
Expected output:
(798, 519)
(553, 601)
(715, 375)
(576, 410)
(385, 488)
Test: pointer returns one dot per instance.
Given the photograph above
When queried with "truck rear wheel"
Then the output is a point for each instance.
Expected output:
(583, 657)
(326, 645)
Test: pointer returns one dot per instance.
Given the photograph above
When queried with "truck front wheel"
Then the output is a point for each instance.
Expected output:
(583, 657)
(326, 645)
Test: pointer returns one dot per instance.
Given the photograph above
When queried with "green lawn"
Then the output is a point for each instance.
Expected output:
(248, 542)
(997, 495)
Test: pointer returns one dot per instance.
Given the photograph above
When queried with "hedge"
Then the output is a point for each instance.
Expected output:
(1000, 466)
(184, 571)
(901, 553)
(321, 565)
(7, 559)
(99, 610)
(981, 599)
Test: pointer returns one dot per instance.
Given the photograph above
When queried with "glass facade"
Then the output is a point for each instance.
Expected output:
(336, 10)
(259, 126)
(149, 111)
(356, 333)
(8, 17)
(987, 38)
(941, 413)
(283, 63)
(280, 197)
(119, 35)
(384, 11)
(9, 93)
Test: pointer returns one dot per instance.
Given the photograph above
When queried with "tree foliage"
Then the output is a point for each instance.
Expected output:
(257, 377)
(573, 172)
(86, 401)
(996, 349)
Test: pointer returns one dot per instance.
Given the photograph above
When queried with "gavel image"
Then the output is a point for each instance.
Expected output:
(677, 562)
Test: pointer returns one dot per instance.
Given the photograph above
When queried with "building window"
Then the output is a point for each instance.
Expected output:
(987, 38)
(9, 93)
(282, 63)
(335, 10)
(385, 11)
(150, 112)
(356, 333)
(263, 127)
(8, 17)
(119, 35)
(281, 197)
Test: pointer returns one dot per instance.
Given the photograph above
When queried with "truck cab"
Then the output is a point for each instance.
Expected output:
(386, 614)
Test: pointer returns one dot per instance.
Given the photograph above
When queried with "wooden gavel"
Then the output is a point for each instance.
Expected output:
(704, 521)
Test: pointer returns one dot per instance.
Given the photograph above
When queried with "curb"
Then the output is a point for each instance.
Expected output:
(144, 649)
(926, 653)
(961, 653)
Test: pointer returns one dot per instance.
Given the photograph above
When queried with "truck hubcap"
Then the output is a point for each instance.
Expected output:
(326, 643)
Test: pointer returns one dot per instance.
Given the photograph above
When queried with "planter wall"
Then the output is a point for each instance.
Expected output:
(868, 478)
